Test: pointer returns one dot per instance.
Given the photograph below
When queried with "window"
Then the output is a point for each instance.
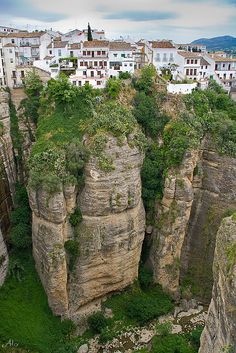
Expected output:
(84, 53)
(80, 83)
(125, 65)
(84, 73)
(99, 73)
(195, 61)
(187, 72)
(103, 52)
(123, 55)
(171, 57)
(100, 63)
(95, 63)
(92, 73)
(81, 63)
(105, 63)
(164, 57)
(88, 52)
(74, 83)
(10, 51)
(13, 41)
(13, 73)
(50, 52)
(191, 72)
(158, 57)
(130, 64)
(11, 61)
(115, 55)
(188, 61)
(87, 82)
(206, 66)
(22, 74)
(191, 61)
(59, 52)
(98, 83)
(201, 67)
(71, 53)
(99, 52)
(195, 72)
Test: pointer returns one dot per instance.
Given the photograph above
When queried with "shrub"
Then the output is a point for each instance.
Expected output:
(164, 329)
(113, 87)
(171, 344)
(72, 249)
(75, 217)
(105, 336)
(68, 327)
(144, 307)
(20, 236)
(97, 322)
(124, 75)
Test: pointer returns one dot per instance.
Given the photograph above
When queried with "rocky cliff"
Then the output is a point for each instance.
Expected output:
(3, 259)
(110, 235)
(172, 221)
(219, 334)
(196, 196)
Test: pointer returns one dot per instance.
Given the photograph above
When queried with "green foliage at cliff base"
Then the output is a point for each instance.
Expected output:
(25, 316)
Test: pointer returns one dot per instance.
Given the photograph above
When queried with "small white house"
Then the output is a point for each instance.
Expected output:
(164, 54)
(181, 88)
(121, 58)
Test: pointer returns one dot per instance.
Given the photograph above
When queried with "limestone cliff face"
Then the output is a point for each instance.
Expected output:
(196, 196)
(3, 259)
(110, 235)
(219, 334)
(6, 149)
(172, 219)
(214, 186)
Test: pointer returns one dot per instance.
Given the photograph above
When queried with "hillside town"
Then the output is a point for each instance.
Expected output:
(88, 57)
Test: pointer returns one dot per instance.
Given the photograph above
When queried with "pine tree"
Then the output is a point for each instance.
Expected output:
(90, 37)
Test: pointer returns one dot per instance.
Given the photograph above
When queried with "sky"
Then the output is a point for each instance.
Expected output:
(178, 20)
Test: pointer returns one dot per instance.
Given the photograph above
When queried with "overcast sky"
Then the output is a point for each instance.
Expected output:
(179, 20)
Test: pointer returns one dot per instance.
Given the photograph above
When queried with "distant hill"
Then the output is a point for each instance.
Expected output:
(218, 43)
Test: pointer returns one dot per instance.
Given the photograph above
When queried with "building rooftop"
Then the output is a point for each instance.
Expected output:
(10, 45)
(26, 34)
(120, 46)
(162, 44)
(189, 54)
(58, 44)
(74, 46)
(222, 59)
(96, 44)
(204, 62)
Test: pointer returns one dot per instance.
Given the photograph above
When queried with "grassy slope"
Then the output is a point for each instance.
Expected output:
(24, 312)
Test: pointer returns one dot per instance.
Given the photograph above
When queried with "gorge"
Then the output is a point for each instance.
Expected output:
(139, 184)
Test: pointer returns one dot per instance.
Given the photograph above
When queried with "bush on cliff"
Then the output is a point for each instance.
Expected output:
(97, 322)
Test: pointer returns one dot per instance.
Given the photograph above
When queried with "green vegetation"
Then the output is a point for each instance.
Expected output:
(24, 311)
(72, 249)
(113, 87)
(20, 233)
(97, 322)
(124, 75)
(75, 217)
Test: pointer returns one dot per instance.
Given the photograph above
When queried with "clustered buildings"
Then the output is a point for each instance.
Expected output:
(95, 61)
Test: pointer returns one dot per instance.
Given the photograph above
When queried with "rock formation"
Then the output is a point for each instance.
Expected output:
(172, 220)
(219, 334)
(3, 259)
(196, 196)
(110, 236)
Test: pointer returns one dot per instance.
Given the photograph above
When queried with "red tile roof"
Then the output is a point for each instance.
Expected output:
(162, 44)
(58, 44)
(96, 44)
(120, 46)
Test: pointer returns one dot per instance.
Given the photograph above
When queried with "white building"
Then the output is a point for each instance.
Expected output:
(200, 48)
(194, 66)
(121, 58)
(93, 65)
(77, 36)
(4, 29)
(164, 54)
(225, 70)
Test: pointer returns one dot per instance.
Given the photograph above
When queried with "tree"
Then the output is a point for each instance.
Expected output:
(90, 37)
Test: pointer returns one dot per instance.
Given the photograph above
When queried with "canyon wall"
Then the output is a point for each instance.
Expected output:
(7, 179)
(110, 235)
(219, 334)
(196, 196)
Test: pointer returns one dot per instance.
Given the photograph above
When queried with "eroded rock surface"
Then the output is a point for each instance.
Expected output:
(110, 236)
(3, 259)
(172, 219)
(219, 334)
